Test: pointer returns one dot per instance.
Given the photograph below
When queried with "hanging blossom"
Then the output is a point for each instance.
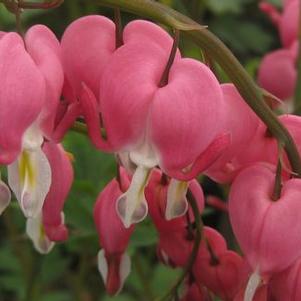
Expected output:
(48, 227)
(114, 264)
(32, 82)
(149, 123)
(273, 242)
(277, 72)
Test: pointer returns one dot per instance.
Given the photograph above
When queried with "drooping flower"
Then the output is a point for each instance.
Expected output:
(277, 73)
(177, 231)
(48, 227)
(166, 126)
(219, 269)
(272, 242)
(29, 173)
(113, 263)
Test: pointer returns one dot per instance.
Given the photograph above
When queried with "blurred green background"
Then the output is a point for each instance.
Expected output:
(69, 272)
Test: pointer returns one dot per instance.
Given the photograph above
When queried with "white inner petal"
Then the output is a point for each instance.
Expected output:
(253, 283)
(144, 155)
(30, 178)
(125, 269)
(32, 138)
(132, 206)
(177, 204)
(35, 231)
(102, 265)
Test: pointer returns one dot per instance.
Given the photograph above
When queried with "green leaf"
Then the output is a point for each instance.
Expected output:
(56, 296)
(163, 277)
(229, 6)
(144, 235)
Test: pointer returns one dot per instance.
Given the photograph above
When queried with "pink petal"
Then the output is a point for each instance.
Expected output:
(89, 105)
(185, 114)
(141, 30)
(73, 111)
(62, 178)
(127, 88)
(287, 284)
(87, 45)
(236, 112)
(113, 236)
(288, 25)
(205, 159)
(21, 97)
(273, 241)
(277, 73)
(45, 50)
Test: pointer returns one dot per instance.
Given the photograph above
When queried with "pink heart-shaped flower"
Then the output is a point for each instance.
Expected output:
(267, 231)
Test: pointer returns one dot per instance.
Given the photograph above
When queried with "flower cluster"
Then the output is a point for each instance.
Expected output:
(278, 72)
(167, 119)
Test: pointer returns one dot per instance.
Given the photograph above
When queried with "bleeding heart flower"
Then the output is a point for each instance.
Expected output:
(267, 230)
(277, 73)
(61, 181)
(113, 263)
(94, 38)
(165, 126)
(29, 175)
(157, 194)
(175, 232)
(220, 270)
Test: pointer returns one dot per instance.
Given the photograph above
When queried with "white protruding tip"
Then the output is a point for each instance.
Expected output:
(132, 207)
(35, 231)
(253, 283)
(177, 204)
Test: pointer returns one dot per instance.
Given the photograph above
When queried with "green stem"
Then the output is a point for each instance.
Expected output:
(224, 57)
(198, 236)
(297, 98)
(278, 183)
(118, 28)
(165, 76)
